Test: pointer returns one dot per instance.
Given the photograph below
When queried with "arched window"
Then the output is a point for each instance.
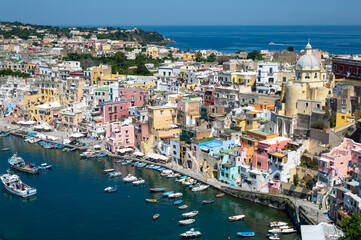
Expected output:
(307, 76)
(316, 75)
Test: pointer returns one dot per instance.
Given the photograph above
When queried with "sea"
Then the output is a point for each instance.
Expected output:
(71, 203)
(229, 39)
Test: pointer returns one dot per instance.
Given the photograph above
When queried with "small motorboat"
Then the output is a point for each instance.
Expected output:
(220, 195)
(275, 230)
(278, 224)
(190, 214)
(65, 149)
(71, 149)
(166, 194)
(187, 221)
(173, 175)
(191, 234)
(130, 178)
(139, 181)
(236, 218)
(151, 200)
(111, 189)
(175, 195)
(156, 216)
(118, 161)
(157, 189)
(274, 236)
(6, 149)
(44, 166)
(177, 202)
(184, 206)
(115, 174)
(141, 165)
(166, 172)
(246, 234)
(200, 188)
(109, 170)
(288, 230)
(204, 202)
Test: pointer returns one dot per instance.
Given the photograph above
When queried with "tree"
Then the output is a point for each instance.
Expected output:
(318, 125)
(295, 179)
(291, 49)
(309, 184)
(211, 58)
(351, 227)
(238, 52)
(254, 55)
(198, 56)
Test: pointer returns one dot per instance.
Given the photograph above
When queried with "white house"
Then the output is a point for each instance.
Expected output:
(266, 81)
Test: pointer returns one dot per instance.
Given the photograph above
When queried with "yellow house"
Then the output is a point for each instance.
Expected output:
(161, 120)
(189, 56)
(152, 52)
(100, 72)
(241, 123)
(44, 112)
(343, 118)
(145, 86)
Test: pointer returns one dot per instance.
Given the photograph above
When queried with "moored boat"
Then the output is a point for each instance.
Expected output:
(274, 236)
(183, 207)
(175, 195)
(151, 200)
(115, 174)
(177, 202)
(288, 230)
(166, 194)
(111, 189)
(275, 230)
(204, 202)
(200, 188)
(109, 170)
(278, 224)
(130, 178)
(187, 221)
(19, 164)
(157, 189)
(190, 214)
(6, 149)
(236, 218)
(166, 172)
(139, 181)
(13, 184)
(220, 195)
(44, 166)
(191, 234)
(246, 234)
(156, 216)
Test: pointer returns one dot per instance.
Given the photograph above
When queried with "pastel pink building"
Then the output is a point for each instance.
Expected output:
(119, 136)
(238, 156)
(113, 111)
(141, 133)
(339, 162)
(137, 96)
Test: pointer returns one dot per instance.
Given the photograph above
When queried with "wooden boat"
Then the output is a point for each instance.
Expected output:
(246, 234)
(44, 166)
(236, 218)
(183, 207)
(151, 200)
(187, 221)
(220, 195)
(157, 189)
(19, 164)
(14, 185)
(177, 202)
(156, 216)
(207, 201)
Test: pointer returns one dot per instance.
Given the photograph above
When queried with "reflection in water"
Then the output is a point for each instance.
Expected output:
(10, 196)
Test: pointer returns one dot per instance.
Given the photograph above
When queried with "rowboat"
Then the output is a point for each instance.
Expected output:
(157, 189)
(5, 149)
(190, 214)
(236, 218)
(156, 216)
(175, 195)
(183, 207)
(44, 166)
(246, 234)
(186, 222)
(177, 202)
(207, 201)
(191, 234)
(111, 189)
(166, 172)
(139, 181)
(166, 194)
(220, 195)
(151, 200)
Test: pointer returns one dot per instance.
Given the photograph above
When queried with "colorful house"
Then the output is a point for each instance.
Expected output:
(113, 111)
(118, 136)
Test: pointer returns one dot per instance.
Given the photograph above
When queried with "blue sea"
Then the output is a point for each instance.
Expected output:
(229, 39)
(71, 203)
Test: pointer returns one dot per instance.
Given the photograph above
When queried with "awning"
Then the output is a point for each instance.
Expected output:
(77, 135)
(139, 154)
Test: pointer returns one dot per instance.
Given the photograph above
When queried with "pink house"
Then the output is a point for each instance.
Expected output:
(113, 111)
(141, 133)
(119, 136)
(137, 96)
(238, 156)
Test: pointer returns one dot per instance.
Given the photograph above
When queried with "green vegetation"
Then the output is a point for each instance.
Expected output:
(309, 184)
(309, 164)
(291, 49)
(203, 140)
(9, 72)
(318, 125)
(119, 62)
(238, 52)
(295, 179)
(254, 55)
(331, 118)
(211, 58)
(351, 227)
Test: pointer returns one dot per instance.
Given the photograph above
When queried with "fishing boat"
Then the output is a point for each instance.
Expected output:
(166, 194)
(111, 189)
(200, 188)
(109, 170)
(157, 189)
(183, 207)
(246, 234)
(220, 195)
(274, 236)
(44, 166)
(19, 164)
(177, 202)
(204, 202)
(5, 149)
(139, 181)
(13, 184)
(236, 218)
(288, 230)
(130, 178)
(191, 234)
(156, 216)
(115, 174)
(278, 224)
(190, 214)
(151, 200)
(175, 195)
(187, 221)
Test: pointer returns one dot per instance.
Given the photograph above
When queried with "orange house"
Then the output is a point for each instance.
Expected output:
(260, 106)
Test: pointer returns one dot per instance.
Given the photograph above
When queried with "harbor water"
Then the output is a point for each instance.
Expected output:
(71, 203)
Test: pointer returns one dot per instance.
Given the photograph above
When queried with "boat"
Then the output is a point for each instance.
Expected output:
(14, 185)
(4, 134)
(166, 194)
(157, 189)
(187, 221)
(19, 164)
(271, 43)
(139, 181)
(100, 155)
(151, 200)
(236, 218)
(200, 188)
(88, 155)
(173, 175)
(246, 234)
(5, 149)
(275, 230)
(190, 214)
(288, 230)
(44, 166)
(274, 236)
(111, 189)
(191, 234)
(71, 149)
(130, 178)
(278, 224)
(115, 174)
(220, 195)
(156, 216)
(126, 162)
(183, 207)
(65, 149)
(204, 202)
(141, 165)
(175, 195)
(109, 170)
(177, 202)
(166, 172)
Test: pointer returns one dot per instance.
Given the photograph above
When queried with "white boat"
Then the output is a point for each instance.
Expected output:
(288, 230)
(275, 230)
(173, 175)
(130, 178)
(139, 181)
(236, 218)
(111, 189)
(13, 184)
(175, 195)
(274, 237)
(191, 234)
(115, 174)
(278, 224)
(166, 172)
(200, 188)
(190, 214)
(187, 221)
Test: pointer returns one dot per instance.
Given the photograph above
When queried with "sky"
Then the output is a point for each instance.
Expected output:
(184, 12)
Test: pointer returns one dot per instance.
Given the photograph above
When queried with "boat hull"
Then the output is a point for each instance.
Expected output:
(21, 169)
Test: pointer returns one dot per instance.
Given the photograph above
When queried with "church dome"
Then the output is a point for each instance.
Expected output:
(308, 61)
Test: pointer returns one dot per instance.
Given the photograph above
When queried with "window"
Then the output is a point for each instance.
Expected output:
(110, 109)
(357, 72)
(343, 117)
(335, 68)
(350, 70)
(161, 112)
(315, 75)
(306, 104)
(318, 105)
(115, 117)
(115, 109)
(341, 69)
(343, 110)
(344, 101)
(284, 79)
(270, 70)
